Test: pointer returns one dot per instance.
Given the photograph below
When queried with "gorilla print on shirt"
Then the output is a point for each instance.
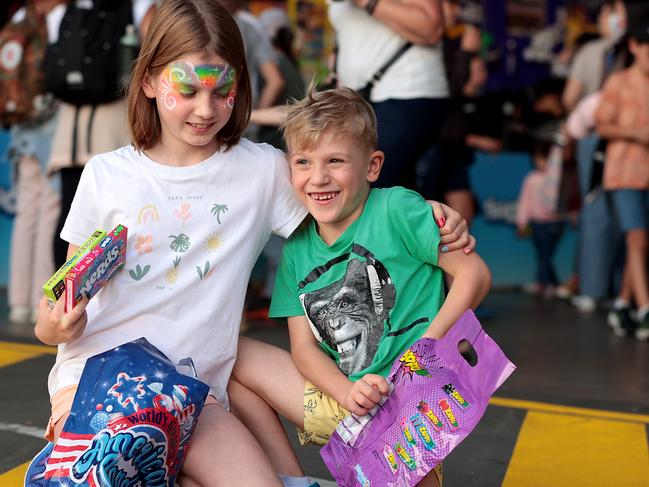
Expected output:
(349, 314)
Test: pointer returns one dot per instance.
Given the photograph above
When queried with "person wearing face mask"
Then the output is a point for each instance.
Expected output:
(593, 61)
(592, 64)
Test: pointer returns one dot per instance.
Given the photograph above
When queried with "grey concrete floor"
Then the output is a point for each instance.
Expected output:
(563, 358)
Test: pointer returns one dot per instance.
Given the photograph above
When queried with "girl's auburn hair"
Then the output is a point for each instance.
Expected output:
(180, 28)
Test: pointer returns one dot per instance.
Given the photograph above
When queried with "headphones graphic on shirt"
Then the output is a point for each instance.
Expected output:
(381, 285)
(350, 314)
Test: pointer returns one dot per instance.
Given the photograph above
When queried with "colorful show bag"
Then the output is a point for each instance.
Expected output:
(440, 390)
(131, 422)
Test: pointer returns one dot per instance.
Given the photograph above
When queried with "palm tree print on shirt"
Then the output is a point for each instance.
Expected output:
(180, 242)
(217, 209)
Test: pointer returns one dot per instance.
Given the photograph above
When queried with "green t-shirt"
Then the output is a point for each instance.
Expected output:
(372, 293)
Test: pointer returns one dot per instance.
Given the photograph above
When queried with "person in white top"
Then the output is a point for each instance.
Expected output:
(199, 204)
(410, 99)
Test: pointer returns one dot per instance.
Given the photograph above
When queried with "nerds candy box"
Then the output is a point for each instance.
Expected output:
(55, 285)
(440, 392)
(95, 269)
(130, 425)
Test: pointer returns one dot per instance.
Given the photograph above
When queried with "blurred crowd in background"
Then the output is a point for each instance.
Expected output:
(566, 82)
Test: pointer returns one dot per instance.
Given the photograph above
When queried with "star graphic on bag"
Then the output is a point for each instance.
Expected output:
(127, 389)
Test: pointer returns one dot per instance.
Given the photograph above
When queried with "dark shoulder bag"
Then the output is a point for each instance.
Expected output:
(366, 91)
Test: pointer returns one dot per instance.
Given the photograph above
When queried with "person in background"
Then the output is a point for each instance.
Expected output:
(278, 29)
(595, 59)
(281, 36)
(596, 241)
(410, 100)
(537, 213)
(31, 260)
(446, 167)
(623, 119)
(85, 130)
(266, 81)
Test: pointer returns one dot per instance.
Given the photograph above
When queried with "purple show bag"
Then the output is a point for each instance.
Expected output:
(438, 397)
(130, 424)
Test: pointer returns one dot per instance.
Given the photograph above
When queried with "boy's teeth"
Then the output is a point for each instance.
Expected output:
(323, 196)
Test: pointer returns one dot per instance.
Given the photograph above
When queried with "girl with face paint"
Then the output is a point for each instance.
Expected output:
(199, 203)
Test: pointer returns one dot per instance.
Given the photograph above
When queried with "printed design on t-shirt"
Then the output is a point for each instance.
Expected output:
(205, 271)
(180, 243)
(349, 314)
(139, 272)
(148, 213)
(183, 212)
(213, 242)
(144, 244)
(217, 209)
(174, 272)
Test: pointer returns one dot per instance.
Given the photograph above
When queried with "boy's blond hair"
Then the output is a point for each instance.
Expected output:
(341, 109)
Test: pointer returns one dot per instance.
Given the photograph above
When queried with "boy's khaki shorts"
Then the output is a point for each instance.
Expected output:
(321, 417)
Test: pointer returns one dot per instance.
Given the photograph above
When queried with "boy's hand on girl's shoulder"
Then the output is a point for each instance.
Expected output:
(55, 326)
(453, 229)
(365, 393)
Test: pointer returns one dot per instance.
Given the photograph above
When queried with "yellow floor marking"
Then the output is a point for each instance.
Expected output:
(26, 347)
(569, 410)
(568, 450)
(9, 357)
(14, 477)
(11, 353)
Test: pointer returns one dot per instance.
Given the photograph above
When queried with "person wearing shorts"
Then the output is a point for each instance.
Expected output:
(623, 118)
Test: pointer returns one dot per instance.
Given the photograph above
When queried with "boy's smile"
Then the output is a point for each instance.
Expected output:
(332, 181)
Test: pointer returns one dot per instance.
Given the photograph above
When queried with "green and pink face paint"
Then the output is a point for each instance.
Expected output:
(181, 80)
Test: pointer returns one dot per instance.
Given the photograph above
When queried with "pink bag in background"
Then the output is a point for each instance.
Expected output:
(438, 398)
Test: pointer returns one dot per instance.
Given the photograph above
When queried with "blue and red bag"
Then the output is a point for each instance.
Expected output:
(131, 421)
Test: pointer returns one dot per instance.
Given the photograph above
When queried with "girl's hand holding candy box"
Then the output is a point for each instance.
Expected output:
(440, 391)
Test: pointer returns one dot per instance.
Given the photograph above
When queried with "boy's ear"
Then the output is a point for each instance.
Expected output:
(147, 86)
(376, 163)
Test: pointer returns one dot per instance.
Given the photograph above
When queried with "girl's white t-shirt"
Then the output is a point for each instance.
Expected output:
(194, 234)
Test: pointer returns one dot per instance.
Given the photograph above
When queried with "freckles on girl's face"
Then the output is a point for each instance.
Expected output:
(182, 81)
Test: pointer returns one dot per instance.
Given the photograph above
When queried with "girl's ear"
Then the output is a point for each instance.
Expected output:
(376, 163)
(147, 86)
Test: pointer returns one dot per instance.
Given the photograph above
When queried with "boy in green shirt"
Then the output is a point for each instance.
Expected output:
(358, 284)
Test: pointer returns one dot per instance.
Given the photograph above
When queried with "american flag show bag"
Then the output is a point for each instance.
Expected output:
(131, 421)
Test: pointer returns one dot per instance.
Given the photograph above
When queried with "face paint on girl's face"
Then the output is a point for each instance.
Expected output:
(182, 79)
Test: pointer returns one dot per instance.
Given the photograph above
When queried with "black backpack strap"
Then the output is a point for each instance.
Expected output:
(367, 89)
(75, 127)
(91, 119)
